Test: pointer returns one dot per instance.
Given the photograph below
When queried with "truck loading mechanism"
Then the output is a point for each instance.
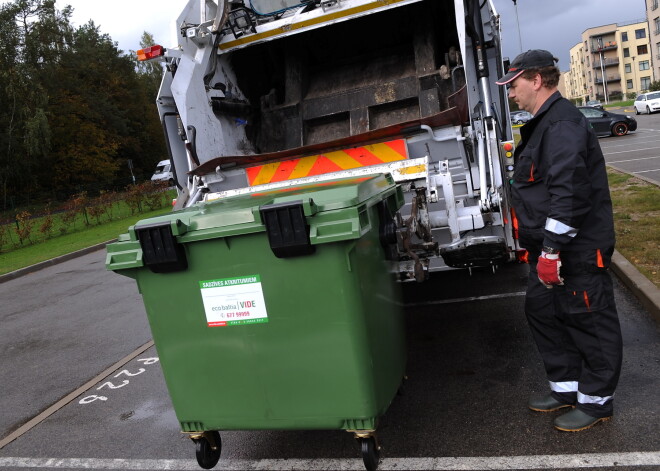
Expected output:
(265, 94)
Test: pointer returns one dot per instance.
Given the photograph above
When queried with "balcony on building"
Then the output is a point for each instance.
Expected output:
(603, 42)
(607, 62)
(609, 78)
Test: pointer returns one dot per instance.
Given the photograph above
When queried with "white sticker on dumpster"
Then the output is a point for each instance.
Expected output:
(234, 301)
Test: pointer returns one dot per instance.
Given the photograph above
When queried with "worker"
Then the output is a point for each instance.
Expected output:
(562, 202)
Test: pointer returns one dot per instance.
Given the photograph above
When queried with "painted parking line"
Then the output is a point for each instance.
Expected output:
(629, 150)
(633, 160)
(555, 462)
(464, 300)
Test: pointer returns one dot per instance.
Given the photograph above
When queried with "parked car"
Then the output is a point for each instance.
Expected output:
(606, 123)
(520, 117)
(647, 103)
(595, 104)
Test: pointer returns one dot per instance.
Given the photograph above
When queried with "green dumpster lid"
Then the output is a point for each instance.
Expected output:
(243, 210)
(332, 210)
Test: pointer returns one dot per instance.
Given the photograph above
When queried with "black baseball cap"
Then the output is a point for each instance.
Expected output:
(532, 59)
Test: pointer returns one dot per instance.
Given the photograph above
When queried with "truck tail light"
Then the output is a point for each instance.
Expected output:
(149, 53)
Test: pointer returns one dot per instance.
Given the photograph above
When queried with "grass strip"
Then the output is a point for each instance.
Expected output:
(636, 206)
(92, 235)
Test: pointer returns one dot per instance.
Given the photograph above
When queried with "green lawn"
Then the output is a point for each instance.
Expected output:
(60, 245)
(53, 234)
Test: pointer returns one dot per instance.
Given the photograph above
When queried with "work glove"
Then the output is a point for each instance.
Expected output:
(548, 269)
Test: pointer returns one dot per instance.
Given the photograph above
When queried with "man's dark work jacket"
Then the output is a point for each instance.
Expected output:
(560, 191)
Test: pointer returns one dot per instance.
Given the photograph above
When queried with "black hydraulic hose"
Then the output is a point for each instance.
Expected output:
(169, 147)
(475, 29)
(192, 143)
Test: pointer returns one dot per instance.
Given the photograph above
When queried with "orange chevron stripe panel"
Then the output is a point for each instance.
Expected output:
(357, 157)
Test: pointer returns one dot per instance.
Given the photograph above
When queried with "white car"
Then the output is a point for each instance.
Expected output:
(163, 173)
(647, 103)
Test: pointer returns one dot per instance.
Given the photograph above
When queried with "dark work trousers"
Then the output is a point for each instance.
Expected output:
(577, 332)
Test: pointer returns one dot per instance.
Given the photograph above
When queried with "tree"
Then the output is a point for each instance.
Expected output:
(73, 107)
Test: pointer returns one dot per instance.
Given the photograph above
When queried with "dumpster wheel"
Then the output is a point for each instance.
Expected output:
(207, 448)
(370, 450)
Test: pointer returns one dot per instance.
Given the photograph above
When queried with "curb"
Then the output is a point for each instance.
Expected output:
(53, 261)
(647, 293)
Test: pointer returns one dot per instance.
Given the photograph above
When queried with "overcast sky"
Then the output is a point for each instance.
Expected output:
(555, 25)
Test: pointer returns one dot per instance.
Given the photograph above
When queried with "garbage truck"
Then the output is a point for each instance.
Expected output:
(265, 94)
(272, 97)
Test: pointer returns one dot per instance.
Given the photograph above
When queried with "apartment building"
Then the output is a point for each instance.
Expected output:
(610, 62)
(653, 18)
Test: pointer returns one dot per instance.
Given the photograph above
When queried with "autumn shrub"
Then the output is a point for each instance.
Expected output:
(108, 199)
(24, 226)
(73, 207)
(133, 197)
(100, 206)
(4, 234)
(155, 194)
(46, 226)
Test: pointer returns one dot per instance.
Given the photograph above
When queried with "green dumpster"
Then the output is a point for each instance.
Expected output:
(275, 310)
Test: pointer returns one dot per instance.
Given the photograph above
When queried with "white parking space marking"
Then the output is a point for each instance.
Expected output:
(633, 160)
(646, 171)
(631, 150)
(556, 462)
(629, 143)
(465, 300)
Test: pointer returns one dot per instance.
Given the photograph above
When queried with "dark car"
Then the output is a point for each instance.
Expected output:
(606, 123)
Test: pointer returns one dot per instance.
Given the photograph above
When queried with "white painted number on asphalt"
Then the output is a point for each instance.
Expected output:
(126, 382)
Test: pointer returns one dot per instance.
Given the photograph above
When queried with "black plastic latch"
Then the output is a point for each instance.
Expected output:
(287, 229)
(160, 250)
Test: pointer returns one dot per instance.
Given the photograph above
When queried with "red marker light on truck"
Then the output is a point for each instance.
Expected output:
(150, 53)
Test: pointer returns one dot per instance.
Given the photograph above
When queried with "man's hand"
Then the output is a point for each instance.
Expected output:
(548, 269)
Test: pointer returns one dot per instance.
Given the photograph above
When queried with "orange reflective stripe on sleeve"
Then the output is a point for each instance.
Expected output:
(599, 259)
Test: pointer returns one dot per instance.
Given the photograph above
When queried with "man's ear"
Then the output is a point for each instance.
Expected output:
(537, 82)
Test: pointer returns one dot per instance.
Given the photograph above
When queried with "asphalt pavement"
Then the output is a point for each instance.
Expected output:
(471, 368)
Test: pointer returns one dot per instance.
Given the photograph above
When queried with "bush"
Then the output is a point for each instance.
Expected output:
(4, 234)
(74, 206)
(24, 225)
(102, 205)
(47, 222)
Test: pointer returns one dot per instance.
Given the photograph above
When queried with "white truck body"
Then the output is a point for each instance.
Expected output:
(272, 93)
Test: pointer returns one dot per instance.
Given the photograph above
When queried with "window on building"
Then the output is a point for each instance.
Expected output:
(644, 65)
(628, 68)
(656, 25)
(640, 33)
(590, 76)
(654, 5)
(626, 52)
(645, 82)
(624, 36)
(588, 58)
(643, 49)
(629, 84)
